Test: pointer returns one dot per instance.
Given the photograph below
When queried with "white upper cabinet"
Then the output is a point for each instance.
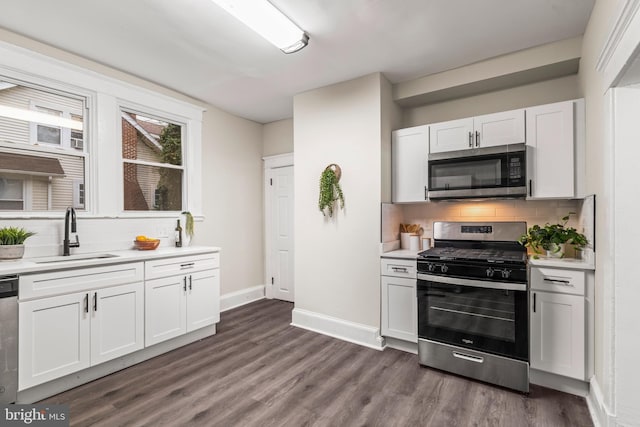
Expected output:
(553, 160)
(499, 129)
(489, 130)
(451, 136)
(409, 150)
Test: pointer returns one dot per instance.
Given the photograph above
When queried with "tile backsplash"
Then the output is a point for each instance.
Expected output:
(530, 211)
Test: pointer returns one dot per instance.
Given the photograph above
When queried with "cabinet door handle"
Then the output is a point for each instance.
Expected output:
(95, 302)
(425, 192)
(470, 139)
(184, 283)
(534, 302)
(558, 282)
(190, 283)
(530, 187)
(86, 303)
(477, 139)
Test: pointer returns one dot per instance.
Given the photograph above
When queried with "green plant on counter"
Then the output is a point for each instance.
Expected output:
(188, 227)
(330, 192)
(14, 235)
(550, 236)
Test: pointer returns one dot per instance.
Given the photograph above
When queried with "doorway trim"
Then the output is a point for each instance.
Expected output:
(270, 163)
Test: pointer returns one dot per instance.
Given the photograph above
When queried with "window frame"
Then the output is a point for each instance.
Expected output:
(104, 97)
(153, 113)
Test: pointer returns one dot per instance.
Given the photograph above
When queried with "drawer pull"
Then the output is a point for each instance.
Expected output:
(558, 281)
(468, 357)
(400, 269)
(187, 265)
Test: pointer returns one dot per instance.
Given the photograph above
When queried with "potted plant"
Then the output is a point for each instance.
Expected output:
(188, 227)
(12, 242)
(552, 238)
(330, 190)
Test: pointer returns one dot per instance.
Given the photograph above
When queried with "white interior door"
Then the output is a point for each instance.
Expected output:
(280, 228)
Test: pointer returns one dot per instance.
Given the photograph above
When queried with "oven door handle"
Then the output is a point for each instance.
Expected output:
(473, 282)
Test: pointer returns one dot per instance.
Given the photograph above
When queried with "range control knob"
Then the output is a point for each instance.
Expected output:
(506, 274)
(444, 268)
(489, 272)
(431, 267)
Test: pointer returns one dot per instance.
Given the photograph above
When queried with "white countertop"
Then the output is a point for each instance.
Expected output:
(31, 265)
(567, 263)
(400, 254)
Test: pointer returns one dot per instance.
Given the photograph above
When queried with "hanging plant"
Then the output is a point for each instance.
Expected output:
(330, 191)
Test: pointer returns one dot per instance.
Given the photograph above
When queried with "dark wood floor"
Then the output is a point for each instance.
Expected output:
(259, 371)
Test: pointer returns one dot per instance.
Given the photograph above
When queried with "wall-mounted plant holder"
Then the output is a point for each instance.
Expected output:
(330, 190)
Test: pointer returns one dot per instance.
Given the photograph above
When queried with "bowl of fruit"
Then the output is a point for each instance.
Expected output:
(144, 243)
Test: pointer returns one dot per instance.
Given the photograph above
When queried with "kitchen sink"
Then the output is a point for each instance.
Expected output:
(79, 257)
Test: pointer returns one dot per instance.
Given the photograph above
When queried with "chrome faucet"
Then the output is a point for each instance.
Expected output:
(70, 214)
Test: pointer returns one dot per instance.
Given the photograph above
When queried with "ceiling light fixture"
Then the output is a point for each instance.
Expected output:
(263, 18)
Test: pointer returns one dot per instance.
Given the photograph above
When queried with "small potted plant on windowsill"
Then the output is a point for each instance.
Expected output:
(553, 238)
(12, 242)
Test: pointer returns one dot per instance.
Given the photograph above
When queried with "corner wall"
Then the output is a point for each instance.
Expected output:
(337, 272)
(599, 158)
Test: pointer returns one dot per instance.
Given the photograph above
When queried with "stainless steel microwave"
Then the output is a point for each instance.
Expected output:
(486, 172)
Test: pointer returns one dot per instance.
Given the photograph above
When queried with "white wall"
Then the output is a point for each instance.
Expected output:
(277, 137)
(600, 181)
(545, 92)
(627, 236)
(232, 197)
(337, 259)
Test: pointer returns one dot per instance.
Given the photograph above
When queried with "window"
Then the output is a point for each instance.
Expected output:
(11, 193)
(152, 163)
(42, 151)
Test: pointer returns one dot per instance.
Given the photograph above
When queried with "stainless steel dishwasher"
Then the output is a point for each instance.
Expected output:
(8, 339)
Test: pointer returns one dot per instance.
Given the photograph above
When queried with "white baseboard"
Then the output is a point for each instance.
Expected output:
(356, 333)
(598, 409)
(241, 297)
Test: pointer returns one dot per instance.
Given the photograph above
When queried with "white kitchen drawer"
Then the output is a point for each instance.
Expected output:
(59, 282)
(398, 267)
(180, 265)
(558, 280)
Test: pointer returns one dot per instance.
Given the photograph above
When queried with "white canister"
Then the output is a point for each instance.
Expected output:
(404, 240)
(426, 243)
(414, 242)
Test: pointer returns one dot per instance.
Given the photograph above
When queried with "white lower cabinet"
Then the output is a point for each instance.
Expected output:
(183, 302)
(399, 300)
(558, 326)
(73, 319)
(559, 338)
(64, 334)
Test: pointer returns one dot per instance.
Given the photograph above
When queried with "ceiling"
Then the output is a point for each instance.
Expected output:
(194, 47)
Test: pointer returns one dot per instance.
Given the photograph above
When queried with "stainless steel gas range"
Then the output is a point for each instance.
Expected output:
(473, 302)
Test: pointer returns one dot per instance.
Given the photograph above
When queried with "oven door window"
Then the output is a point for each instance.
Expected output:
(484, 319)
